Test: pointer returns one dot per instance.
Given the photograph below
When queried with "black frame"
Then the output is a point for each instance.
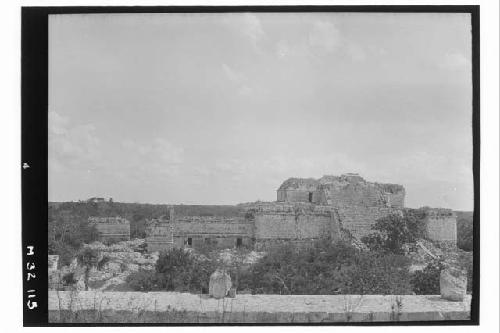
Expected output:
(34, 144)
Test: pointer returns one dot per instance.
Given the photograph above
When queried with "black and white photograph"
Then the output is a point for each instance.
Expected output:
(262, 167)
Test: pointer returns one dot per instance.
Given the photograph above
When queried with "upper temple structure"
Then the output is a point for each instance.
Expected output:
(343, 191)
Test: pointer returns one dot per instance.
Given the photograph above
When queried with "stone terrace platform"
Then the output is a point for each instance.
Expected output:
(172, 307)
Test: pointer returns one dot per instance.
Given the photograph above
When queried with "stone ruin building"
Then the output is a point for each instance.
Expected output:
(197, 231)
(306, 209)
(111, 229)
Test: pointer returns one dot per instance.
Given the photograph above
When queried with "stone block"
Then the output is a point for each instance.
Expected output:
(219, 284)
(453, 284)
(53, 261)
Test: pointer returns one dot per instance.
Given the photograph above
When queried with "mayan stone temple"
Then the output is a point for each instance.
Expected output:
(305, 209)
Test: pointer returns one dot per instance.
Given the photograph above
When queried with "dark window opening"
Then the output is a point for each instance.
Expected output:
(190, 241)
(310, 197)
(239, 242)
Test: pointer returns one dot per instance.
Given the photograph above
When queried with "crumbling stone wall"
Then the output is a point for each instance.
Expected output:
(441, 225)
(358, 220)
(160, 232)
(159, 235)
(340, 191)
(295, 195)
(111, 229)
(293, 222)
(297, 190)
(217, 231)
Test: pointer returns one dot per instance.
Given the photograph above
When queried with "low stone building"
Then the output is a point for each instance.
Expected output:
(216, 231)
(111, 229)
(159, 235)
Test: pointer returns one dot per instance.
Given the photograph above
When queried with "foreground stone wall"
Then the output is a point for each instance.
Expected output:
(171, 307)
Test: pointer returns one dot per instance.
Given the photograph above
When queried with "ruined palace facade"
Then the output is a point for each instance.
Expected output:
(306, 209)
(111, 229)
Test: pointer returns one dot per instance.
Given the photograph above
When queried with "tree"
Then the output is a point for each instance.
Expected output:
(426, 281)
(464, 234)
(391, 232)
(89, 258)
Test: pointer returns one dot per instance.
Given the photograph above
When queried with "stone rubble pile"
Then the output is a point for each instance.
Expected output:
(120, 260)
(232, 256)
(428, 251)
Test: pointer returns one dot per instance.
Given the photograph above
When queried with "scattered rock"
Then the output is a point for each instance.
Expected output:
(114, 267)
(133, 267)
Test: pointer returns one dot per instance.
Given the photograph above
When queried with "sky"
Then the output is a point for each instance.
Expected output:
(222, 108)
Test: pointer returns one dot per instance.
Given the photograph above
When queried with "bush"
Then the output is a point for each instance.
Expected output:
(176, 270)
(327, 268)
(69, 279)
(426, 281)
(380, 274)
(143, 281)
(66, 234)
(464, 233)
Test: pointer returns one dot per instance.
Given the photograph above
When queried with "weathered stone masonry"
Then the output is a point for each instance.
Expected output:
(306, 209)
(441, 225)
(111, 229)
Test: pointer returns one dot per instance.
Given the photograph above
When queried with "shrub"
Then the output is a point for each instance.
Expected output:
(377, 273)
(176, 270)
(69, 279)
(426, 281)
(327, 268)
(143, 281)
(66, 234)
(464, 234)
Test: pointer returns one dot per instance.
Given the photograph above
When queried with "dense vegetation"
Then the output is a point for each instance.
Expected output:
(392, 232)
(327, 268)
(464, 230)
(176, 270)
(324, 268)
